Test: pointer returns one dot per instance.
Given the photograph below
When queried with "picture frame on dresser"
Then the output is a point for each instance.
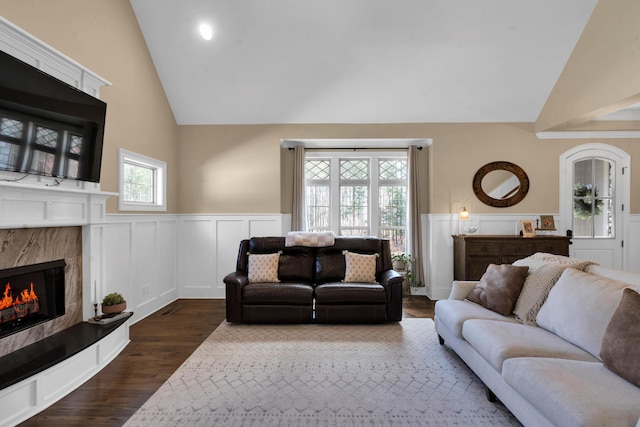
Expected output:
(528, 229)
(547, 223)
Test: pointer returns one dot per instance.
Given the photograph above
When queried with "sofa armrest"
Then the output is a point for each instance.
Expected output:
(392, 282)
(389, 277)
(233, 291)
(461, 288)
(237, 278)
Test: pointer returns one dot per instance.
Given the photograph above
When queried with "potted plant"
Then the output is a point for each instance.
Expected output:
(413, 280)
(400, 261)
(113, 303)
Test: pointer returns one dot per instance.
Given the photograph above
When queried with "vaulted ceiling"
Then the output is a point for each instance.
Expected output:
(360, 61)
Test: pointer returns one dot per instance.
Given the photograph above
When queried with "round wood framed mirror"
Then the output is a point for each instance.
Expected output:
(500, 184)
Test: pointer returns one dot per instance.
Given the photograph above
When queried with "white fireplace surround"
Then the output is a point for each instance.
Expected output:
(38, 201)
(35, 201)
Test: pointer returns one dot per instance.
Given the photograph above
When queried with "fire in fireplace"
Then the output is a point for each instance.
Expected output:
(31, 294)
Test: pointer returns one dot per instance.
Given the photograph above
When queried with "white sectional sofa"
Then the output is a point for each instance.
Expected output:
(544, 362)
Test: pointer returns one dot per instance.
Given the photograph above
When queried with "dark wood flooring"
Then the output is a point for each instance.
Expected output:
(159, 344)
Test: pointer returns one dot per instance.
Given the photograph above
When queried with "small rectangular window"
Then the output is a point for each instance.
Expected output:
(142, 183)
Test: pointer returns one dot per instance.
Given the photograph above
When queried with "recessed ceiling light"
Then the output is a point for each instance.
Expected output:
(206, 31)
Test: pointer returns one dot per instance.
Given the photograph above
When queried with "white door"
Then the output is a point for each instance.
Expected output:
(594, 195)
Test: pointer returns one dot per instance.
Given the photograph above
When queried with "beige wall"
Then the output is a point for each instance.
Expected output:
(103, 35)
(603, 72)
(244, 169)
(238, 168)
(229, 169)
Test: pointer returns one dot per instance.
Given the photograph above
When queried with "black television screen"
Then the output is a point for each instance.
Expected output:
(48, 127)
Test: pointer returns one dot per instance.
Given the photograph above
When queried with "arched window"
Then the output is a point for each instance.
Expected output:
(594, 206)
(594, 192)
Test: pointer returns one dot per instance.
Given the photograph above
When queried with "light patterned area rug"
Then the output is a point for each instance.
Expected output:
(322, 375)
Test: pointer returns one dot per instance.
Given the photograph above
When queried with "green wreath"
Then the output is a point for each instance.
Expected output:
(582, 205)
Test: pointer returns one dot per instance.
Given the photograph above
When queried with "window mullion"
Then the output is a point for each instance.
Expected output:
(334, 184)
(374, 197)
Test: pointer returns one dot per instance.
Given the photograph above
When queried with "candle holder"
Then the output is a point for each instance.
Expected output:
(95, 310)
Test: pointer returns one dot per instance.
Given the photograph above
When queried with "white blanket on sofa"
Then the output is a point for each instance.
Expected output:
(315, 239)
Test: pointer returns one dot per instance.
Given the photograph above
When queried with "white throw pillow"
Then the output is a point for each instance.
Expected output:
(359, 268)
(263, 267)
(580, 307)
(544, 271)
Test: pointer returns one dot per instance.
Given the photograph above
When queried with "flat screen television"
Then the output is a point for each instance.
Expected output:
(48, 127)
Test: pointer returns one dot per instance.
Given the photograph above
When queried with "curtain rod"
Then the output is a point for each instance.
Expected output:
(361, 148)
(356, 143)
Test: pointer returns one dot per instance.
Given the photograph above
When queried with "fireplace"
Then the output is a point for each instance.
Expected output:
(31, 295)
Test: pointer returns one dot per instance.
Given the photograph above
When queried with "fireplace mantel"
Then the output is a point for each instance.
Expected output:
(25, 205)
(35, 201)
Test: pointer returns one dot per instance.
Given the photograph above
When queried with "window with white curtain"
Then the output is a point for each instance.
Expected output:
(361, 193)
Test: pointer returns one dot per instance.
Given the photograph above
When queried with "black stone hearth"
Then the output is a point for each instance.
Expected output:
(35, 358)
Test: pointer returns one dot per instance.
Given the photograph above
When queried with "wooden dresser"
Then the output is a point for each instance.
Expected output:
(473, 254)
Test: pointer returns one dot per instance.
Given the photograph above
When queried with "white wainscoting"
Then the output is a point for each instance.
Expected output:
(439, 253)
(632, 245)
(209, 248)
(155, 259)
(439, 244)
(136, 255)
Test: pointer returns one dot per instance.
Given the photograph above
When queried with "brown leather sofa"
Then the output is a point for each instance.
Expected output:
(311, 287)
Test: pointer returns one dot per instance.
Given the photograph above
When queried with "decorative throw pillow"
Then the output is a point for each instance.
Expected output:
(499, 287)
(359, 268)
(263, 267)
(620, 350)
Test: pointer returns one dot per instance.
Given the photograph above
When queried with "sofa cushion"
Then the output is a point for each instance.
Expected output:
(359, 268)
(330, 262)
(499, 287)
(574, 393)
(330, 266)
(297, 265)
(277, 293)
(263, 267)
(497, 341)
(579, 308)
(453, 314)
(621, 344)
(542, 276)
(350, 293)
(266, 245)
